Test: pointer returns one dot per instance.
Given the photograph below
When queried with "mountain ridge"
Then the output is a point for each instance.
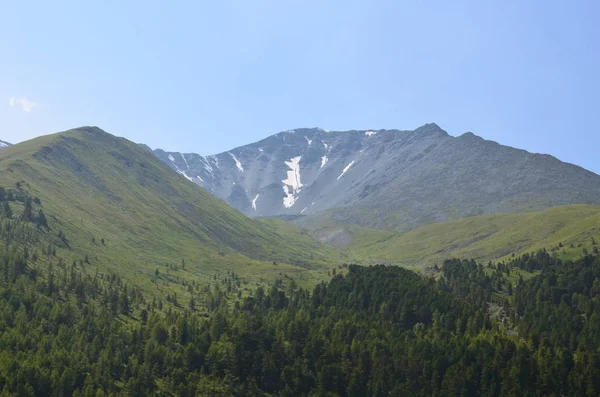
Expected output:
(387, 179)
(97, 187)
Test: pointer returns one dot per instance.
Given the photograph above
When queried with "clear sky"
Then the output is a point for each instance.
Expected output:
(206, 76)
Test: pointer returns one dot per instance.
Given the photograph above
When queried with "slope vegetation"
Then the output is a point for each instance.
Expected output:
(566, 230)
(119, 205)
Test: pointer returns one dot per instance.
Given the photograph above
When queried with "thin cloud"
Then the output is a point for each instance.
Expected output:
(24, 103)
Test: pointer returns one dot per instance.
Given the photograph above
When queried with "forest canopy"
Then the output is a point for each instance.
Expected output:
(527, 327)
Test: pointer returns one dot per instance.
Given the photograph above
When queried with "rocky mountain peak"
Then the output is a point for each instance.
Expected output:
(391, 179)
(430, 128)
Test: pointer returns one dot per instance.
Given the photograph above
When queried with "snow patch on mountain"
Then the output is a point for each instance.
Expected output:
(207, 166)
(238, 164)
(292, 181)
(324, 160)
(290, 199)
(182, 172)
(345, 169)
(370, 133)
(189, 178)
(185, 161)
(254, 201)
(308, 140)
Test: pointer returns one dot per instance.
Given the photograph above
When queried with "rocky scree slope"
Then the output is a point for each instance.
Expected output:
(386, 179)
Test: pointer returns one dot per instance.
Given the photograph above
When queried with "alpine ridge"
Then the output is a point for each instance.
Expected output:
(385, 179)
(120, 206)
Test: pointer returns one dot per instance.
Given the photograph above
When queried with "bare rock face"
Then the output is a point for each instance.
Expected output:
(387, 179)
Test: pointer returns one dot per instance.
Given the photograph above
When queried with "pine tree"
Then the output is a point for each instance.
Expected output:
(6, 210)
(124, 303)
(27, 214)
(41, 219)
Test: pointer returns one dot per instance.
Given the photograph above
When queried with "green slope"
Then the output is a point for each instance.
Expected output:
(486, 237)
(94, 186)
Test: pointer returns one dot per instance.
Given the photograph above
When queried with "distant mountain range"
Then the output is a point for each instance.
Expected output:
(4, 144)
(95, 186)
(385, 179)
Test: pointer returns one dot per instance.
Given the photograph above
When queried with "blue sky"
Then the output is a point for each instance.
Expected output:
(208, 76)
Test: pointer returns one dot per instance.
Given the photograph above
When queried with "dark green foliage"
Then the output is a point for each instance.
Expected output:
(41, 219)
(377, 331)
(6, 210)
(27, 214)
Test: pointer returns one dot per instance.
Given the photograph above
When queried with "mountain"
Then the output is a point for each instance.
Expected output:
(126, 278)
(124, 210)
(385, 179)
(4, 144)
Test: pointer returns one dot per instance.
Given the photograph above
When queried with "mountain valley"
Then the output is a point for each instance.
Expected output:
(121, 277)
(299, 199)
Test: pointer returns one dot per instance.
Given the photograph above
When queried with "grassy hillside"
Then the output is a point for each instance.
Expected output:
(486, 237)
(128, 212)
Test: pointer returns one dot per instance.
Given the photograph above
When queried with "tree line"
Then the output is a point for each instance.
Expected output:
(372, 331)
